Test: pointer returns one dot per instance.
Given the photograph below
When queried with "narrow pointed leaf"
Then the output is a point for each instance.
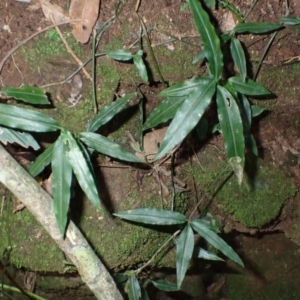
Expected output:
(184, 250)
(290, 21)
(257, 27)
(165, 285)
(22, 138)
(41, 162)
(121, 55)
(201, 253)
(188, 115)
(199, 57)
(140, 65)
(238, 56)
(164, 112)
(256, 110)
(251, 143)
(181, 89)
(61, 183)
(152, 216)
(133, 288)
(105, 146)
(210, 40)
(231, 124)
(249, 87)
(26, 119)
(29, 94)
(81, 169)
(108, 112)
(201, 228)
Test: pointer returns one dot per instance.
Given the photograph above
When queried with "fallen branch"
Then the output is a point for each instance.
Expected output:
(75, 246)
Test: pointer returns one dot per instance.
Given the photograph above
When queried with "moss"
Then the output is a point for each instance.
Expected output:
(257, 202)
(48, 46)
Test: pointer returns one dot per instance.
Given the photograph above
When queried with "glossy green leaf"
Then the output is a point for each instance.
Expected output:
(22, 138)
(120, 54)
(210, 3)
(210, 39)
(133, 288)
(182, 89)
(61, 183)
(199, 57)
(257, 27)
(26, 119)
(165, 285)
(231, 124)
(108, 112)
(81, 168)
(202, 229)
(257, 110)
(29, 94)
(250, 87)
(41, 162)
(188, 115)
(164, 112)
(238, 56)
(140, 65)
(251, 144)
(201, 253)
(105, 146)
(152, 216)
(290, 21)
(184, 250)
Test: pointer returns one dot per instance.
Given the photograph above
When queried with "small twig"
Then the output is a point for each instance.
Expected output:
(13, 50)
(79, 62)
(156, 253)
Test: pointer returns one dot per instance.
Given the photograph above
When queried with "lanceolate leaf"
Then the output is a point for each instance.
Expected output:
(184, 249)
(181, 89)
(41, 162)
(210, 40)
(202, 229)
(238, 56)
(29, 94)
(231, 124)
(133, 288)
(199, 57)
(81, 168)
(121, 55)
(165, 285)
(140, 65)
(22, 138)
(188, 115)
(250, 87)
(257, 27)
(290, 20)
(108, 112)
(61, 183)
(256, 110)
(107, 147)
(165, 111)
(152, 216)
(201, 253)
(26, 119)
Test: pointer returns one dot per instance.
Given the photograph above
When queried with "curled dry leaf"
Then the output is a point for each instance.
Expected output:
(88, 11)
(53, 12)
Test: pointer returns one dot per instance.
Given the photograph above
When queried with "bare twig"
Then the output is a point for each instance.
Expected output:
(13, 50)
(79, 62)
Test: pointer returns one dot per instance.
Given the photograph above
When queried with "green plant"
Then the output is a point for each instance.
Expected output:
(186, 102)
(184, 241)
(68, 154)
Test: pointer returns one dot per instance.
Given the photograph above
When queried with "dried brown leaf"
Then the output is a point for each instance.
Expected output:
(88, 11)
(55, 11)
